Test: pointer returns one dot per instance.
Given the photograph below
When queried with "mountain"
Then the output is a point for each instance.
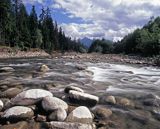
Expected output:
(86, 42)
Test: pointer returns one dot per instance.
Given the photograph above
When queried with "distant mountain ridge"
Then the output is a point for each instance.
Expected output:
(86, 42)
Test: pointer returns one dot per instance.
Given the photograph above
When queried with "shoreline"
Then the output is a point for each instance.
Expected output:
(79, 57)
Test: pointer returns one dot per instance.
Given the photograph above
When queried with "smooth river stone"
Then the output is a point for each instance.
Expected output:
(53, 103)
(81, 115)
(30, 97)
(58, 115)
(83, 99)
(18, 113)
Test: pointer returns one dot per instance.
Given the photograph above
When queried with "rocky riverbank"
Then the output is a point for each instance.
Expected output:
(6, 52)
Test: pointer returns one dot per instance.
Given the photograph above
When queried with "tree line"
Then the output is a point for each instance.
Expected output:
(24, 31)
(143, 42)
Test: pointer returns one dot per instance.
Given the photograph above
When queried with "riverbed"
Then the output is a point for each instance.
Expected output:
(138, 85)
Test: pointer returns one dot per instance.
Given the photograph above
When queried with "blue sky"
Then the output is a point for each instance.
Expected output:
(110, 19)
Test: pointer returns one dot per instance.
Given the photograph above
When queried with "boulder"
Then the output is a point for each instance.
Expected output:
(10, 93)
(81, 115)
(53, 103)
(66, 125)
(18, 113)
(1, 105)
(43, 68)
(83, 99)
(67, 89)
(102, 112)
(58, 115)
(30, 97)
(6, 69)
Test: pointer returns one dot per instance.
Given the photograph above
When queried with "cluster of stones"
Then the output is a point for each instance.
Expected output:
(40, 105)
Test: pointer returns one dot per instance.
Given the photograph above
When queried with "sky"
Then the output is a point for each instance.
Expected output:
(109, 19)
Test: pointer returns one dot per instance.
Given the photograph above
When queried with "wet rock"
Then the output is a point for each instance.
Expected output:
(102, 112)
(152, 102)
(53, 103)
(67, 89)
(83, 99)
(110, 99)
(81, 115)
(18, 113)
(58, 115)
(124, 102)
(80, 67)
(1, 105)
(41, 118)
(30, 97)
(66, 125)
(11, 92)
(6, 69)
(44, 68)
(19, 125)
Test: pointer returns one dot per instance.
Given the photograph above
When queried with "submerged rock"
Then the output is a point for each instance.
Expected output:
(58, 115)
(81, 115)
(1, 105)
(30, 97)
(83, 99)
(44, 68)
(69, 88)
(18, 113)
(102, 112)
(53, 103)
(66, 125)
(110, 100)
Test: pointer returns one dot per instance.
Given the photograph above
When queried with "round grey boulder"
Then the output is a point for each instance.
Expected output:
(53, 103)
(83, 99)
(81, 115)
(30, 97)
(69, 88)
(1, 105)
(18, 113)
(58, 115)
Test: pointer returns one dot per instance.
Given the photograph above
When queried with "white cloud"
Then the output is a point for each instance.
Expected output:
(111, 19)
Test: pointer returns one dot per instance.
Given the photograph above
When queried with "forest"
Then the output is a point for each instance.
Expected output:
(142, 42)
(24, 31)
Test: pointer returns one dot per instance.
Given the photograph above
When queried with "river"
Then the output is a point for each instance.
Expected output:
(140, 85)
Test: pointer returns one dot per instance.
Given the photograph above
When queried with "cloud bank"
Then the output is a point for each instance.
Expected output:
(111, 19)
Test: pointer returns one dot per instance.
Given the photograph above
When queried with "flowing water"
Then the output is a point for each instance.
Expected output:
(141, 85)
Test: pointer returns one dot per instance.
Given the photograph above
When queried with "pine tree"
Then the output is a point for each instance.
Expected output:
(5, 21)
(33, 26)
(24, 37)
